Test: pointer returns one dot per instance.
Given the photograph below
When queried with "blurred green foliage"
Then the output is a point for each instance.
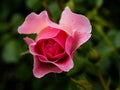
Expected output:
(97, 62)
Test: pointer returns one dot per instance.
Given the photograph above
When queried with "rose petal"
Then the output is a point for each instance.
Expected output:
(57, 34)
(34, 52)
(43, 59)
(39, 47)
(35, 23)
(47, 33)
(79, 39)
(56, 57)
(73, 22)
(69, 44)
(40, 69)
(61, 38)
(65, 64)
(28, 40)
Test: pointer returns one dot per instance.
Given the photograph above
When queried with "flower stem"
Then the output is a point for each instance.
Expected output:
(100, 76)
(47, 9)
(59, 4)
(84, 84)
(25, 52)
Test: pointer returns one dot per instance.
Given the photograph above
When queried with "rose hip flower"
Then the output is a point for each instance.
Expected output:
(55, 44)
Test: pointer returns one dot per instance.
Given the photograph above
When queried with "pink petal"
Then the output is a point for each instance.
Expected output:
(28, 40)
(74, 22)
(61, 38)
(56, 57)
(34, 52)
(79, 39)
(35, 23)
(65, 64)
(39, 47)
(69, 45)
(57, 34)
(43, 59)
(32, 49)
(40, 69)
(47, 33)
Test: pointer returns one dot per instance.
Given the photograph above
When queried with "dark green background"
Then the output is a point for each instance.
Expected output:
(100, 56)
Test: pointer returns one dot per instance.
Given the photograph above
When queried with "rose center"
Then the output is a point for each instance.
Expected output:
(49, 47)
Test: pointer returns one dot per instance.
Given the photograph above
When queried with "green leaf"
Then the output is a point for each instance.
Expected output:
(90, 68)
(99, 3)
(16, 20)
(34, 5)
(118, 88)
(23, 72)
(104, 50)
(4, 26)
(11, 52)
(117, 40)
(55, 11)
(79, 63)
(105, 66)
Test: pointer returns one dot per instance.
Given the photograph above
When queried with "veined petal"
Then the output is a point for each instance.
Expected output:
(35, 23)
(72, 22)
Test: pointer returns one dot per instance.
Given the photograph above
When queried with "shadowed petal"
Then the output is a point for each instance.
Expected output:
(40, 69)
(65, 64)
(79, 39)
(61, 38)
(69, 44)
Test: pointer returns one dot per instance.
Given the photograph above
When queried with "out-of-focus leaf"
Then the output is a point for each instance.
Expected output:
(55, 11)
(90, 68)
(93, 55)
(79, 63)
(98, 3)
(16, 20)
(114, 71)
(4, 26)
(70, 3)
(4, 39)
(105, 66)
(4, 12)
(117, 40)
(114, 37)
(11, 52)
(104, 49)
(34, 5)
(118, 88)
(83, 84)
(23, 72)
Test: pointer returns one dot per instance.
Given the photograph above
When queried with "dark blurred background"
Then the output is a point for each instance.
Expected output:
(97, 62)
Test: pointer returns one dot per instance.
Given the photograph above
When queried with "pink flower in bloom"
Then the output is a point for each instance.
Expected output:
(55, 44)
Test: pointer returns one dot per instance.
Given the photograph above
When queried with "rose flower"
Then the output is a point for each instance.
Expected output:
(55, 44)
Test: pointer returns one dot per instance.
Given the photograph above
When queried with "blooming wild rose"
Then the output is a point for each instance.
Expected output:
(55, 44)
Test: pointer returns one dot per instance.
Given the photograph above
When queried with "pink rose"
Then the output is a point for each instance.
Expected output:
(55, 44)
